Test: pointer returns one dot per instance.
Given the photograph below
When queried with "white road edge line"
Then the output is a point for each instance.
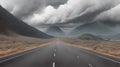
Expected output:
(90, 65)
(53, 64)
(2, 61)
(104, 57)
(108, 59)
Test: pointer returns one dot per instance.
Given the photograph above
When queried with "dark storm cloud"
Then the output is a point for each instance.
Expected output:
(110, 17)
(27, 8)
(83, 11)
(90, 12)
(63, 11)
(24, 8)
(56, 3)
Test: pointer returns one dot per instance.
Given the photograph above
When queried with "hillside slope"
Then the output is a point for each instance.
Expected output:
(92, 28)
(8, 22)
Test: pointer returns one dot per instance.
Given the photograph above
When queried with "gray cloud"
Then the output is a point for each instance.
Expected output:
(110, 17)
(56, 3)
(81, 11)
(91, 10)
(25, 8)
(36, 12)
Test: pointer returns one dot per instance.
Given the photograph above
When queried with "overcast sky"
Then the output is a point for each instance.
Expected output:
(36, 12)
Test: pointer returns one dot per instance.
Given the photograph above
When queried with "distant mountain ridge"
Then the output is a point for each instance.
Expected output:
(92, 28)
(115, 37)
(89, 37)
(55, 31)
(8, 22)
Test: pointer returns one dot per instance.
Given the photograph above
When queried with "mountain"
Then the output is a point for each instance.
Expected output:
(55, 31)
(92, 28)
(115, 37)
(8, 22)
(89, 37)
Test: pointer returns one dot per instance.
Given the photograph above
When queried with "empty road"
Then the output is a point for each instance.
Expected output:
(59, 55)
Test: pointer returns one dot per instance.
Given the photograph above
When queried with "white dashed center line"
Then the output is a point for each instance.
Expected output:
(55, 50)
(53, 64)
(54, 54)
(108, 59)
(78, 57)
(90, 65)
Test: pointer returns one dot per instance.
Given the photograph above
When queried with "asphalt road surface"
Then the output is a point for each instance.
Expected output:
(59, 55)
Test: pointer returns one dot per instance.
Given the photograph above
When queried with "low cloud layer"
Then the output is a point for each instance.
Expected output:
(36, 12)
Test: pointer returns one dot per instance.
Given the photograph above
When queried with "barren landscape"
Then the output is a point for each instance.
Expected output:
(111, 48)
(15, 44)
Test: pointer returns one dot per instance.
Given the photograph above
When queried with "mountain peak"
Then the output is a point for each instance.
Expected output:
(55, 31)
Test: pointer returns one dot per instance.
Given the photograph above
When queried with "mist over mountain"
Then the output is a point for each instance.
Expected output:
(92, 28)
(8, 22)
(97, 29)
(115, 37)
(55, 31)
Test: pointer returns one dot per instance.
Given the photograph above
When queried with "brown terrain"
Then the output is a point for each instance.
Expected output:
(15, 44)
(16, 36)
(111, 48)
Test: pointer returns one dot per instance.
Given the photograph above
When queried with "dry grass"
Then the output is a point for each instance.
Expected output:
(111, 48)
(15, 44)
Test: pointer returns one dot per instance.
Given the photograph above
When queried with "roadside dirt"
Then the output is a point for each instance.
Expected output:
(15, 44)
(111, 48)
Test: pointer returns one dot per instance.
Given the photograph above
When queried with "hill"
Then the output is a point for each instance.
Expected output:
(8, 22)
(92, 28)
(89, 37)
